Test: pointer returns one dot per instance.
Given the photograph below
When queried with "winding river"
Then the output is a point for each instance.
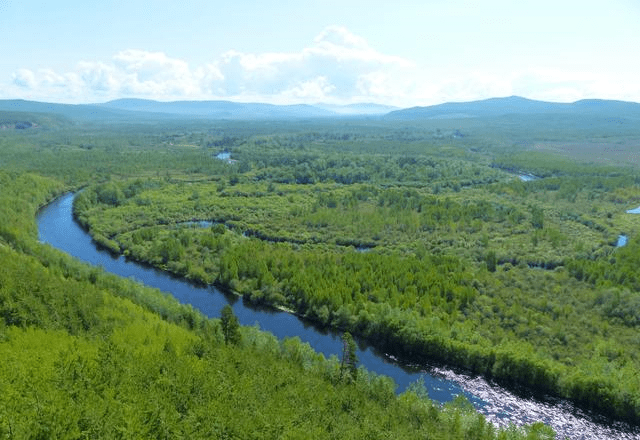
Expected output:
(502, 407)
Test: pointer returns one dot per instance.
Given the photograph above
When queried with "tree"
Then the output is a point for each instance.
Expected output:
(230, 325)
(491, 261)
(349, 357)
(537, 217)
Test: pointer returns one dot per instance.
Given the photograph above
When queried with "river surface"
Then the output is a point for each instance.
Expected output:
(622, 240)
(502, 407)
(527, 177)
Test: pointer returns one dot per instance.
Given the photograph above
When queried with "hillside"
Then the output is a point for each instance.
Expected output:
(75, 112)
(219, 109)
(143, 110)
(515, 105)
(18, 120)
(90, 355)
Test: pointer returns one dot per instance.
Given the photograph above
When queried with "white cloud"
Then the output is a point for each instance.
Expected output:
(336, 67)
(333, 66)
(314, 90)
(100, 77)
(24, 78)
(153, 74)
(340, 36)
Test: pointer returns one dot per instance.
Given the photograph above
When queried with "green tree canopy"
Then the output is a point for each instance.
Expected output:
(230, 325)
(349, 357)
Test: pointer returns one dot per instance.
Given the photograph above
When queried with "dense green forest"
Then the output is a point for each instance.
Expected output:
(415, 239)
(87, 354)
(498, 276)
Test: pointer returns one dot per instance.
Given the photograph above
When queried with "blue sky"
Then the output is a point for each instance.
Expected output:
(402, 53)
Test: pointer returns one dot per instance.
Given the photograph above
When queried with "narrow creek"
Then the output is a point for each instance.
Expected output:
(502, 407)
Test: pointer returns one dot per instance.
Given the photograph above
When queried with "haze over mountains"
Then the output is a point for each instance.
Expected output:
(140, 109)
(148, 109)
(518, 105)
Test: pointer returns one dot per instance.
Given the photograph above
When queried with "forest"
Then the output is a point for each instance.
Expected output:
(418, 236)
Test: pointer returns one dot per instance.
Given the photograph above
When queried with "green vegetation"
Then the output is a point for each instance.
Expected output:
(87, 354)
(81, 360)
(349, 363)
(230, 325)
(418, 243)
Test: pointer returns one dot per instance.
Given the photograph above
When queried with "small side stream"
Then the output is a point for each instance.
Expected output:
(622, 240)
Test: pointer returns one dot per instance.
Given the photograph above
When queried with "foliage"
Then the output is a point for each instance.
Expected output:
(230, 325)
(415, 236)
(349, 362)
(452, 274)
(87, 354)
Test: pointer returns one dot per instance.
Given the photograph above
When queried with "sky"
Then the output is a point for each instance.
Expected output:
(402, 53)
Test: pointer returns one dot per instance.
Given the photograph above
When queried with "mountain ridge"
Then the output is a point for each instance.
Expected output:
(217, 109)
(135, 109)
(514, 105)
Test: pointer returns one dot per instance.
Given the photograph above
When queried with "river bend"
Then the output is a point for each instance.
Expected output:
(502, 407)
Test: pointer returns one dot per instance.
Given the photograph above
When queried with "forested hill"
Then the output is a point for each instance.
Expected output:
(26, 120)
(220, 109)
(128, 110)
(74, 112)
(515, 105)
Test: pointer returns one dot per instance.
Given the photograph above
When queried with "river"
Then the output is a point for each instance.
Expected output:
(502, 407)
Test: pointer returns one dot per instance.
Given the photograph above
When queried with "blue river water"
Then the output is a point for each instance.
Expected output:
(502, 407)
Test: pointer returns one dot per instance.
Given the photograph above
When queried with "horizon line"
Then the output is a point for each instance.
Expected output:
(312, 104)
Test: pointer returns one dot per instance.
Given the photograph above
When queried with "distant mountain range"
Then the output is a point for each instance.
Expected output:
(219, 109)
(358, 109)
(141, 110)
(74, 112)
(515, 105)
(148, 109)
(238, 110)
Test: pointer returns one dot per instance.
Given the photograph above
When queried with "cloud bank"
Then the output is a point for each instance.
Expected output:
(336, 67)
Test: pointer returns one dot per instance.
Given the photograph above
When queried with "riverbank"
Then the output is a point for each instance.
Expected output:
(289, 324)
(88, 353)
